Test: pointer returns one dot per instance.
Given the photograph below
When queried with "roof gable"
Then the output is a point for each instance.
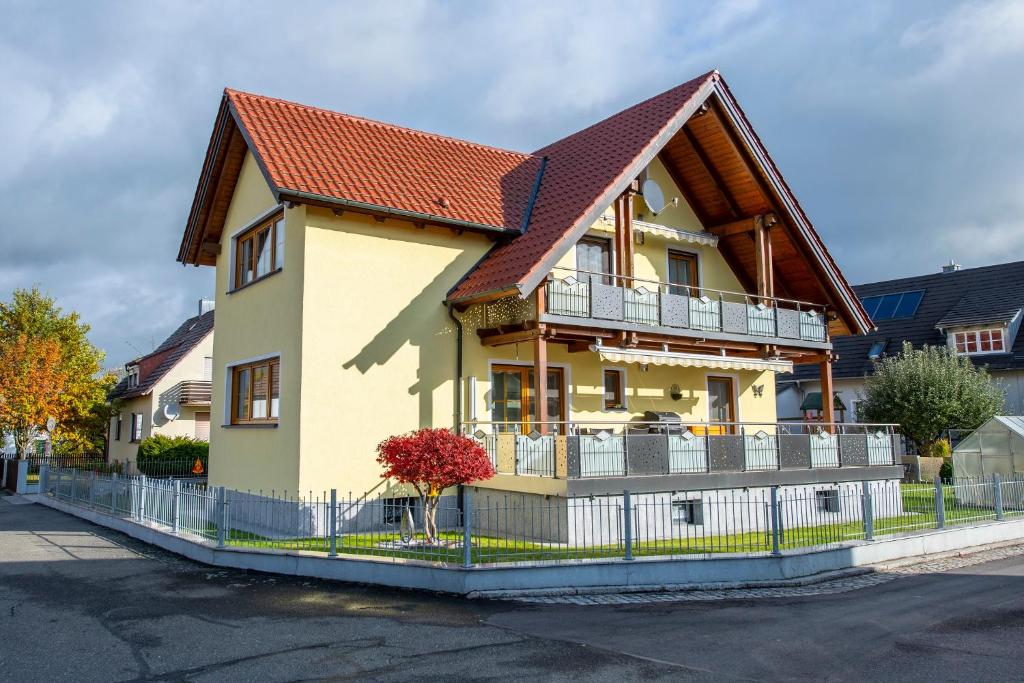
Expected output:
(536, 204)
(154, 366)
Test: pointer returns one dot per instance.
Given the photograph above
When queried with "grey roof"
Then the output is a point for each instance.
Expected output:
(153, 366)
(979, 295)
(995, 304)
(1015, 423)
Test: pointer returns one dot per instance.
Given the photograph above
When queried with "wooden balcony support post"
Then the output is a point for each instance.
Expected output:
(540, 371)
(827, 394)
(763, 252)
(624, 238)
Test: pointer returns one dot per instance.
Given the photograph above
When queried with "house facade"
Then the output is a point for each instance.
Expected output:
(654, 269)
(167, 391)
(975, 312)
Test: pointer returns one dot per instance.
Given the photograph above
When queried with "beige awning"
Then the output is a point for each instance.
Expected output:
(689, 360)
(678, 234)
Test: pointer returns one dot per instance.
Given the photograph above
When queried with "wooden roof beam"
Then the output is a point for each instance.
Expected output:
(716, 178)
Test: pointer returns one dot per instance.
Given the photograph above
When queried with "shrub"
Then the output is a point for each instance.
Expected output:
(946, 471)
(940, 449)
(157, 451)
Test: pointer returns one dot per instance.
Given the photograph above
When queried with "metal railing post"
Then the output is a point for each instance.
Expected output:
(627, 524)
(74, 485)
(92, 489)
(222, 516)
(467, 527)
(775, 521)
(142, 498)
(176, 507)
(997, 496)
(332, 521)
(113, 493)
(869, 511)
(940, 505)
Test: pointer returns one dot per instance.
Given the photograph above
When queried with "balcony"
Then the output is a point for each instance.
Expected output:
(194, 393)
(610, 301)
(603, 450)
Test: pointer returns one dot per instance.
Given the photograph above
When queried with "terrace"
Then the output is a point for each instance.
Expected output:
(597, 455)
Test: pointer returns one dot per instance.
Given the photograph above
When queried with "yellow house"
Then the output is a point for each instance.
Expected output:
(167, 391)
(654, 268)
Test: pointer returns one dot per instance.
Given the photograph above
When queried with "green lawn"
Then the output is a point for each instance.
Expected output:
(918, 513)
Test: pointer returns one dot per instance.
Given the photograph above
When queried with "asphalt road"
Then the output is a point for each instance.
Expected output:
(82, 603)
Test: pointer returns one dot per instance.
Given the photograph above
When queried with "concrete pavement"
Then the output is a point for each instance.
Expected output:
(80, 602)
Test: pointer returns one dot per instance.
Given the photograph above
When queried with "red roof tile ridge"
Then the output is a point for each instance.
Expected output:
(710, 74)
(525, 156)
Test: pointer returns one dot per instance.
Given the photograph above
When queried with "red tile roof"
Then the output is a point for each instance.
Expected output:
(581, 170)
(340, 157)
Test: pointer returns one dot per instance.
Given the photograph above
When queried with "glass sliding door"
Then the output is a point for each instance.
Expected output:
(513, 397)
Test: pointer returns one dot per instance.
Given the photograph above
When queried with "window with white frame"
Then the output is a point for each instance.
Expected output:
(979, 341)
(136, 427)
(133, 376)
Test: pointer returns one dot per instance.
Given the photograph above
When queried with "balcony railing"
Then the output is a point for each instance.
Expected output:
(575, 450)
(194, 392)
(602, 296)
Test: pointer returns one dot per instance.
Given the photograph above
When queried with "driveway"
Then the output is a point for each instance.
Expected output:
(82, 603)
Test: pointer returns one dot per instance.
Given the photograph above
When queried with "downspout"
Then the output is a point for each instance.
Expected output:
(458, 366)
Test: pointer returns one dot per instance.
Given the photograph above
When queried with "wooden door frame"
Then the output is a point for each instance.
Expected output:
(697, 270)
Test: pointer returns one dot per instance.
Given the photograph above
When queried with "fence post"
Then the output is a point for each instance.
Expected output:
(940, 505)
(869, 511)
(44, 478)
(775, 521)
(176, 507)
(333, 522)
(627, 524)
(113, 493)
(92, 489)
(142, 498)
(74, 485)
(467, 527)
(997, 496)
(222, 516)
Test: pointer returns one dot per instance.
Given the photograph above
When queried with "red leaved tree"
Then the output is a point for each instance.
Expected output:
(431, 460)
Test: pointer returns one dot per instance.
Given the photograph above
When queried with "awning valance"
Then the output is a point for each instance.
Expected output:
(693, 237)
(689, 360)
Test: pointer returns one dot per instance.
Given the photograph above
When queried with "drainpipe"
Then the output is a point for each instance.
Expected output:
(458, 366)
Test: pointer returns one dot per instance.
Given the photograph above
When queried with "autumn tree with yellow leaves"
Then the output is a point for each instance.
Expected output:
(48, 368)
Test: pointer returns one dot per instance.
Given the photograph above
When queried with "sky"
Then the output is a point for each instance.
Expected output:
(898, 125)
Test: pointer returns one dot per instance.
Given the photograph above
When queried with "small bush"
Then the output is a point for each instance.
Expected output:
(940, 449)
(946, 471)
(157, 451)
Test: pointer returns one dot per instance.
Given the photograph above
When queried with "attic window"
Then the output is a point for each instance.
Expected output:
(875, 352)
(892, 306)
(133, 376)
(979, 341)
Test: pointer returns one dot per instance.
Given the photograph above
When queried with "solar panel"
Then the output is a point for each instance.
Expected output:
(891, 306)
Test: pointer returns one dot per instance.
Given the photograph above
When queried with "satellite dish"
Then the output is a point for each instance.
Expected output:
(171, 411)
(653, 196)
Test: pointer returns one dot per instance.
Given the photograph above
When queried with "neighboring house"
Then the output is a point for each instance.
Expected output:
(974, 311)
(372, 279)
(166, 391)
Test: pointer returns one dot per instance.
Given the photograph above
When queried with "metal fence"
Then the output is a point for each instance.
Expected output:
(482, 526)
